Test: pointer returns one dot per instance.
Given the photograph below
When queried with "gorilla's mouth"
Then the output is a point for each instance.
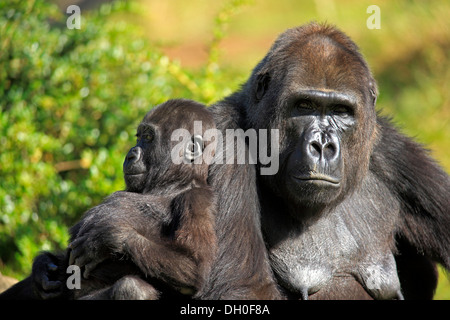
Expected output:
(318, 177)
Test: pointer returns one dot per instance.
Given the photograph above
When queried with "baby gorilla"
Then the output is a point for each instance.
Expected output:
(162, 237)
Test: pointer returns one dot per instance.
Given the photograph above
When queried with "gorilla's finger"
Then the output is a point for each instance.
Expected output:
(76, 249)
(82, 260)
(74, 255)
(71, 257)
(51, 295)
(48, 284)
(89, 267)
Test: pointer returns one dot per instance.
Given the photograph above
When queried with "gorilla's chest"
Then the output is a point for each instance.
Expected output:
(355, 240)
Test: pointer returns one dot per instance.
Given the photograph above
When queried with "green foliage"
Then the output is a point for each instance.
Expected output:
(70, 101)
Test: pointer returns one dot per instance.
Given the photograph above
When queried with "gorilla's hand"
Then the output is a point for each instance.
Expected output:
(46, 280)
(93, 244)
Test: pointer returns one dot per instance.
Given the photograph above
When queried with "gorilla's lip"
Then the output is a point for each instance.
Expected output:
(319, 177)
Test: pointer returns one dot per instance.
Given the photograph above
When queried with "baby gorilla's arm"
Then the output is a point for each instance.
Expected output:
(129, 225)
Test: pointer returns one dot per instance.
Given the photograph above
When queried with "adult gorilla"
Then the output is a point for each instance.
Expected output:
(351, 191)
(351, 194)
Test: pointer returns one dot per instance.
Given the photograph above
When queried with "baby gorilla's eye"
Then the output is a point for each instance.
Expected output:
(194, 148)
(148, 137)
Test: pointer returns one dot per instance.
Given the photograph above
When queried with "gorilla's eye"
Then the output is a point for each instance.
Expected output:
(194, 148)
(304, 104)
(342, 110)
(302, 107)
(148, 137)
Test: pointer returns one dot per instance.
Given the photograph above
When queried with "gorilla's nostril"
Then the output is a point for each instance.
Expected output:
(329, 150)
(315, 149)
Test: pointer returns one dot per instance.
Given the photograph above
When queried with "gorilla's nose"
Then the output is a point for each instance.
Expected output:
(134, 155)
(323, 147)
(320, 150)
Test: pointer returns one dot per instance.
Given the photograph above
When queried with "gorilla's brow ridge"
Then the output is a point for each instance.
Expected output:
(143, 127)
(337, 97)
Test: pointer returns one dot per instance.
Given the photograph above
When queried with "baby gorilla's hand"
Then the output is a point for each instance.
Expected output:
(92, 246)
(85, 257)
(47, 276)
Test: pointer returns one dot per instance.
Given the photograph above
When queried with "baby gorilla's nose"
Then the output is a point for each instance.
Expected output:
(134, 155)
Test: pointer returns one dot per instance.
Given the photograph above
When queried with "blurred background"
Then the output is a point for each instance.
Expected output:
(70, 99)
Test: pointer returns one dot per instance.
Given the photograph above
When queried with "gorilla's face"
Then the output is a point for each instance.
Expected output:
(318, 125)
(150, 164)
(321, 96)
(138, 162)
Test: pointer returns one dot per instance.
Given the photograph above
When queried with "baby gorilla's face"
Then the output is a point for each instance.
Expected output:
(150, 163)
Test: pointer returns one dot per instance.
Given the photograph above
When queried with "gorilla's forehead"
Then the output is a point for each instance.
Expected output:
(322, 86)
(322, 63)
(178, 114)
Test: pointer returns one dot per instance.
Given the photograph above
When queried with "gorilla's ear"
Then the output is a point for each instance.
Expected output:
(373, 92)
(374, 96)
(194, 148)
(262, 84)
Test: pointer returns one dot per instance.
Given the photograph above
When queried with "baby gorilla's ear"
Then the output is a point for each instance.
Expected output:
(194, 148)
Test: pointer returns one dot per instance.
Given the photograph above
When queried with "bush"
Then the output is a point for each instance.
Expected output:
(70, 101)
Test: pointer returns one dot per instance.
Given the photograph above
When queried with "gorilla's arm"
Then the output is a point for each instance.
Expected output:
(423, 189)
(242, 270)
(125, 227)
